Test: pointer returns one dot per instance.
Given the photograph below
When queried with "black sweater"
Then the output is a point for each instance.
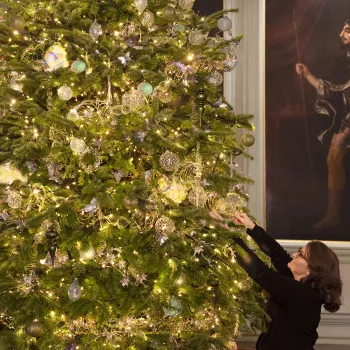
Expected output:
(294, 307)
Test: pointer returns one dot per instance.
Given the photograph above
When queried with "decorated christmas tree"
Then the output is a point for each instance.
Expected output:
(116, 144)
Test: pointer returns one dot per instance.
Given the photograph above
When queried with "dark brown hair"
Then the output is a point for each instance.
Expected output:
(324, 274)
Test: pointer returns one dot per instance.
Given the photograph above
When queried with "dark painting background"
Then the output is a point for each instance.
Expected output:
(296, 191)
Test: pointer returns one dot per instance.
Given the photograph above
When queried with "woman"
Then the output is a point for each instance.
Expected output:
(298, 289)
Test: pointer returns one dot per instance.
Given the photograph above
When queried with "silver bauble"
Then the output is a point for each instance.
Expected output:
(224, 23)
(65, 93)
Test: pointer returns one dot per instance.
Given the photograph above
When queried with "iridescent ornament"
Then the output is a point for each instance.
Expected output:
(95, 30)
(9, 174)
(14, 200)
(145, 88)
(88, 254)
(196, 37)
(74, 291)
(78, 66)
(168, 12)
(180, 28)
(140, 5)
(164, 226)
(78, 146)
(198, 196)
(169, 161)
(133, 99)
(216, 78)
(65, 93)
(186, 4)
(17, 22)
(248, 140)
(174, 308)
(224, 23)
(147, 19)
(35, 329)
(55, 58)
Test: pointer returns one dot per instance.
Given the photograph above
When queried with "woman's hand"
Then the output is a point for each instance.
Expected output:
(219, 219)
(244, 219)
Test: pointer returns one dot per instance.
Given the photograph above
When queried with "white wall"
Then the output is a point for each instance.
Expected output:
(244, 88)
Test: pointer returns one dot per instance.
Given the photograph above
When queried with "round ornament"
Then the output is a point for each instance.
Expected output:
(147, 19)
(65, 93)
(175, 71)
(74, 290)
(14, 200)
(131, 202)
(122, 222)
(248, 140)
(198, 196)
(186, 4)
(168, 12)
(165, 226)
(87, 254)
(230, 63)
(55, 57)
(133, 100)
(180, 28)
(78, 66)
(78, 146)
(245, 285)
(15, 82)
(169, 161)
(224, 23)
(216, 78)
(174, 190)
(228, 206)
(145, 88)
(174, 308)
(17, 23)
(165, 96)
(95, 30)
(35, 329)
(140, 5)
(196, 37)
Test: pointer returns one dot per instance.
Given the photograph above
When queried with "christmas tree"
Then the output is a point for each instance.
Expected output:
(116, 143)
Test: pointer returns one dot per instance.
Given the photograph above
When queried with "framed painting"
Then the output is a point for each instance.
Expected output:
(307, 119)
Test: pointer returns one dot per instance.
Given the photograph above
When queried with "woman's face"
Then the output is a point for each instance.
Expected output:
(299, 265)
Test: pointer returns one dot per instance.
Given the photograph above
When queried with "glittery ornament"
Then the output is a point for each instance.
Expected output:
(35, 329)
(134, 99)
(14, 200)
(174, 308)
(145, 88)
(78, 66)
(198, 196)
(164, 226)
(186, 4)
(248, 140)
(74, 290)
(174, 190)
(228, 206)
(165, 96)
(216, 78)
(65, 93)
(140, 5)
(17, 23)
(245, 285)
(196, 37)
(9, 174)
(78, 146)
(95, 30)
(169, 161)
(15, 82)
(168, 12)
(224, 23)
(175, 71)
(147, 19)
(55, 58)
(88, 254)
(230, 63)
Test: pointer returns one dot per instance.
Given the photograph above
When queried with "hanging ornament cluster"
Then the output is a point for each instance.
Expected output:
(65, 93)
(186, 4)
(55, 57)
(74, 291)
(95, 30)
(169, 161)
(165, 226)
(248, 140)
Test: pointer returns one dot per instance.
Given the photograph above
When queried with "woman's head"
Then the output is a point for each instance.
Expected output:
(323, 273)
